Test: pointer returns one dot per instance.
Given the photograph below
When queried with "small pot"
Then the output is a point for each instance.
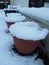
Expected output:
(9, 24)
(25, 47)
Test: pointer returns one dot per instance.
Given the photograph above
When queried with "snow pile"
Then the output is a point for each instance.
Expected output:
(3, 25)
(41, 13)
(28, 31)
(14, 18)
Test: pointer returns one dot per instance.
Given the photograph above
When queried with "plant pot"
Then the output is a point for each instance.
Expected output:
(10, 19)
(9, 24)
(25, 47)
(26, 36)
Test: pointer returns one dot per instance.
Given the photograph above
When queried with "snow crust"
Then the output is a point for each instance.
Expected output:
(28, 31)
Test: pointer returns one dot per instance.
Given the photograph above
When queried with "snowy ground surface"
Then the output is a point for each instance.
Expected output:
(7, 56)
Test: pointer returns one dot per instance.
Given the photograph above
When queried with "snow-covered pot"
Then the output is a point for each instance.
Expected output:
(13, 18)
(26, 36)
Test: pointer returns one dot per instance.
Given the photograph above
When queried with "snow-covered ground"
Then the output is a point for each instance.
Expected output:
(7, 56)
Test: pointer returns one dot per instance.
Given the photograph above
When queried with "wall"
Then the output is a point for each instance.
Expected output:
(24, 3)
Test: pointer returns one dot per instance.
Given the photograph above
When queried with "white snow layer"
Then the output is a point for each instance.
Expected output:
(13, 14)
(15, 18)
(28, 31)
(7, 56)
(41, 13)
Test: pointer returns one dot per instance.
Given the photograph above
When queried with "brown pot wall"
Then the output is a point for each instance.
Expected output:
(25, 46)
(9, 24)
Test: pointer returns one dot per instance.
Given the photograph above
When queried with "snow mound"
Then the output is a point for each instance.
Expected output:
(28, 31)
(14, 18)
(13, 14)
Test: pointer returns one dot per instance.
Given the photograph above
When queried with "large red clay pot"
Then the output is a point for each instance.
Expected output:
(26, 36)
(9, 24)
(25, 47)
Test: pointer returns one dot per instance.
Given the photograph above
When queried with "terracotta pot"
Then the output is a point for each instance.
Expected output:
(9, 24)
(25, 47)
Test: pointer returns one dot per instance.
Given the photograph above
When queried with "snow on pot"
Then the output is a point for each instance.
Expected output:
(26, 36)
(14, 14)
(14, 17)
